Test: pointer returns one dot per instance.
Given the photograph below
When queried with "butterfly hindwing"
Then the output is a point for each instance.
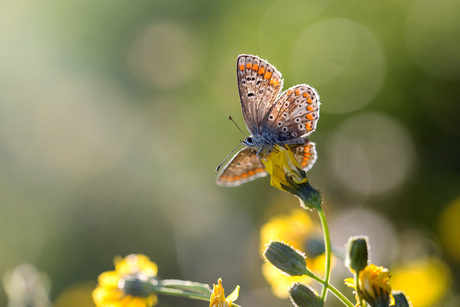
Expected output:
(259, 84)
(243, 167)
(305, 154)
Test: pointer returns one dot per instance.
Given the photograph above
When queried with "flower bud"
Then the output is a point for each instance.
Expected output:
(357, 253)
(401, 300)
(303, 296)
(135, 285)
(286, 258)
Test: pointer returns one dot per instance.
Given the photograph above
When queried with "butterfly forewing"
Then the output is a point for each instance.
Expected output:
(244, 166)
(259, 84)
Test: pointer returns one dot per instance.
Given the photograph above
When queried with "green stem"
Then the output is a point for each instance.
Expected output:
(327, 251)
(192, 290)
(358, 290)
(333, 289)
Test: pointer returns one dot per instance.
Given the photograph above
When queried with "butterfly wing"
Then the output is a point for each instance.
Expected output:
(243, 167)
(294, 115)
(259, 83)
(305, 154)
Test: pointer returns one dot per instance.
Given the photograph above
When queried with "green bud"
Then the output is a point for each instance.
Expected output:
(303, 296)
(135, 285)
(401, 300)
(286, 258)
(357, 253)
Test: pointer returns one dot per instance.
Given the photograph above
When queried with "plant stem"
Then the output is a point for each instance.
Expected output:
(327, 251)
(333, 289)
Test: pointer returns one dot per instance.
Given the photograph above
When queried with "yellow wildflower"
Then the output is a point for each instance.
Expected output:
(287, 176)
(218, 296)
(279, 163)
(128, 285)
(374, 285)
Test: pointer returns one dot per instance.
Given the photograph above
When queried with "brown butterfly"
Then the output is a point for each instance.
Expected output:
(271, 120)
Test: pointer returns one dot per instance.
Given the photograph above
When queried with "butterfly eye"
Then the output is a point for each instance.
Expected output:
(249, 140)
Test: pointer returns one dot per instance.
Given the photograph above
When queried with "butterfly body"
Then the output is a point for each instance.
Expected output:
(271, 120)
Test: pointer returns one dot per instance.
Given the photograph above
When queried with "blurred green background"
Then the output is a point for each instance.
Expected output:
(113, 117)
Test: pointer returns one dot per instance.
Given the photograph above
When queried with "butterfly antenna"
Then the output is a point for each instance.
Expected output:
(230, 118)
(217, 169)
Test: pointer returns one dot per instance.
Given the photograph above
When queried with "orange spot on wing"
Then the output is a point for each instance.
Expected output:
(310, 108)
(251, 172)
(274, 82)
(310, 116)
(261, 70)
(267, 75)
(305, 95)
(241, 67)
(244, 175)
(309, 125)
(309, 100)
(289, 92)
(255, 67)
(249, 65)
(297, 93)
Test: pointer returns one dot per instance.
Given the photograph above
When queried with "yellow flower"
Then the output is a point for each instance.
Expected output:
(298, 231)
(432, 280)
(374, 285)
(279, 163)
(218, 296)
(287, 176)
(128, 285)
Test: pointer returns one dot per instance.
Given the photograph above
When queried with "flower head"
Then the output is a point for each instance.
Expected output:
(129, 285)
(287, 176)
(218, 296)
(374, 285)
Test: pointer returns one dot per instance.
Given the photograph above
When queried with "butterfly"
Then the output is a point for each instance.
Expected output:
(271, 120)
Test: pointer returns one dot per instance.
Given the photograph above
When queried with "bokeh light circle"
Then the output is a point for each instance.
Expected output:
(431, 37)
(343, 60)
(166, 56)
(371, 153)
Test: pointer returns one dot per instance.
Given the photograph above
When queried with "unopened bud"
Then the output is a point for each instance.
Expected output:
(286, 258)
(401, 300)
(357, 253)
(303, 296)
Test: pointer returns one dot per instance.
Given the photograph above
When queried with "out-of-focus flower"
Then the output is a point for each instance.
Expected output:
(449, 231)
(299, 231)
(374, 285)
(425, 281)
(218, 298)
(129, 285)
(287, 176)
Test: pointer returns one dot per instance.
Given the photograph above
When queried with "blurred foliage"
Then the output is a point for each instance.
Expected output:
(113, 117)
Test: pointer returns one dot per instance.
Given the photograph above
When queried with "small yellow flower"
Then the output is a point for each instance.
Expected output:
(218, 296)
(279, 163)
(374, 285)
(112, 290)
(287, 176)
(298, 230)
